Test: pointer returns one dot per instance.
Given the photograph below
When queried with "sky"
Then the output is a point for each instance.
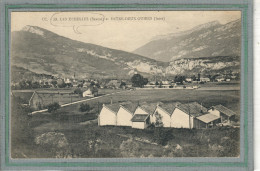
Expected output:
(123, 30)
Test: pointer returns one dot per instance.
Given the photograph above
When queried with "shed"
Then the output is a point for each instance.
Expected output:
(206, 121)
(140, 121)
(225, 114)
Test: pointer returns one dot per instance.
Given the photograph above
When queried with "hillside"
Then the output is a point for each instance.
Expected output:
(43, 52)
(37, 52)
(207, 40)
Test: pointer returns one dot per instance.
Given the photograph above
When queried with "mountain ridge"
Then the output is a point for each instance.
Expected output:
(209, 40)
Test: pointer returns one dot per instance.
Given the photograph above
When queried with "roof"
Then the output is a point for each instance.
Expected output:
(130, 106)
(194, 109)
(113, 107)
(169, 107)
(139, 117)
(148, 107)
(224, 110)
(25, 96)
(208, 118)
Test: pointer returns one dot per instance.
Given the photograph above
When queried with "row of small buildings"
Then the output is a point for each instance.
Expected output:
(175, 115)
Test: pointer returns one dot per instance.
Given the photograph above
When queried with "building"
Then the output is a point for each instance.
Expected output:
(125, 114)
(165, 111)
(175, 115)
(184, 115)
(147, 108)
(140, 121)
(108, 115)
(188, 79)
(204, 79)
(36, 101)
(207, 121)
(225, 114)
(91, 92)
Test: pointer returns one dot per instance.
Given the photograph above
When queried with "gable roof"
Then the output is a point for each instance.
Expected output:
(193, 108)
(169, 107)
(208, 118)
(139, 117)
(130, 107)
(25, 96)
(149, 108)
(224, 110)
(113, 107)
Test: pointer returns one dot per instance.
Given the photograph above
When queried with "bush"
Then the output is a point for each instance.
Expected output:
(162, 136)
(53, 107)
(78, 91)
(84, 107)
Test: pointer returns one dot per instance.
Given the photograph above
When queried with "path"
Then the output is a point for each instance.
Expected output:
(80, 101)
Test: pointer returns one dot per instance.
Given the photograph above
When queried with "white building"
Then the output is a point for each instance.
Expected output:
(140, 121)
(205, 79)
(165, 111)
(108, 115)
(125, 114)
(88, 93)
(184, 114)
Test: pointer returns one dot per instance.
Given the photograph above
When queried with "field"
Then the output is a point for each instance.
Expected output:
(71, 133)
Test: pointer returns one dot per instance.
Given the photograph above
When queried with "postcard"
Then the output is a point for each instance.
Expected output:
(98, 89)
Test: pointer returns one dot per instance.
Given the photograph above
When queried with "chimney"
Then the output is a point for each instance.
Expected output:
(111, 100)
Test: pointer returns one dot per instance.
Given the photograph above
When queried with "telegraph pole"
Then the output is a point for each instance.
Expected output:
(189, 112)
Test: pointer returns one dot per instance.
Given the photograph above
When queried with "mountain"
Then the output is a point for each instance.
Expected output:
(208, 40)
(38, 53)
(205, 66)
(44, 52)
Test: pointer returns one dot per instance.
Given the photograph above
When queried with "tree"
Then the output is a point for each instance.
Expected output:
(179, 79)
(53, 107)
(158, 120)
(122, 85)
(193, 78)
(84, 107)
(78, 91)
(54, 83)
(138, 80)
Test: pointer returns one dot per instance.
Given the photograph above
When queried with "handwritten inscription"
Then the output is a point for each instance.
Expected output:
(78, 19)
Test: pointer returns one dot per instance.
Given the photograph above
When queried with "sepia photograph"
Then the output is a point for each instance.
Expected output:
(125, 84)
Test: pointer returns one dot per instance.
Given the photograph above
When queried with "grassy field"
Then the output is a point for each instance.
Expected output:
(78, 135)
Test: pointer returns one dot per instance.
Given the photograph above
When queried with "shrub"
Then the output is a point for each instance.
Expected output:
(162, 136)
(53, 107)
(78, 91)
(84, 107)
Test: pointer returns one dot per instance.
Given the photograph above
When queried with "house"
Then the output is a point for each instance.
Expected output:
(220, 79)
(108, 115)
(204, 79)
(225, 114)
(184, 115)
(189, 79)
(125, 114)
(165, 111)
(207, 121)
(140, 121)
(24, 97)
(91, 92)
(36, 101)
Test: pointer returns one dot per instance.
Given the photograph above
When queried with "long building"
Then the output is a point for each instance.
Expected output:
(174, 115)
